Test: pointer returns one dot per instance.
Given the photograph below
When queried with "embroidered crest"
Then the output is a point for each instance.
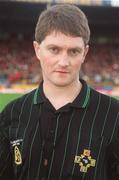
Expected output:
(85, 161)
(17, 153)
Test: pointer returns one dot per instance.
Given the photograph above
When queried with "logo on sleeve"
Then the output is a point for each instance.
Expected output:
(85, 161)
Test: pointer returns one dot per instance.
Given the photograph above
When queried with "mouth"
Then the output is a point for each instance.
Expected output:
(61, 71)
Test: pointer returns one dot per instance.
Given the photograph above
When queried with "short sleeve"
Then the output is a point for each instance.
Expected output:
(113, 151)
(5, 152)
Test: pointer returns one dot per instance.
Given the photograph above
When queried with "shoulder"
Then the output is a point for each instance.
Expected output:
(24, 98)
(15, 106)
(104, 99)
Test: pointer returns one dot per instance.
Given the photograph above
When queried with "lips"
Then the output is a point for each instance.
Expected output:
(62, 71)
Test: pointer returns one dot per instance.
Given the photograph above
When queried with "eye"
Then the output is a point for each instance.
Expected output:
(74, 52)
(54, 50)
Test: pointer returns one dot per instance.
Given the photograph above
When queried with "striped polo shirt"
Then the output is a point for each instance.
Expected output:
(79, 141)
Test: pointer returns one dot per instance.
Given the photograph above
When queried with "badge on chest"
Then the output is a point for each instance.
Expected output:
(17, 151)
(85, 161)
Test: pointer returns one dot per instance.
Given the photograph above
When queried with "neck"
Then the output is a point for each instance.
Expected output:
(61, 95)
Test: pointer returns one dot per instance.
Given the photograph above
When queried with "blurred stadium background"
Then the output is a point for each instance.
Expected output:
(19, 68)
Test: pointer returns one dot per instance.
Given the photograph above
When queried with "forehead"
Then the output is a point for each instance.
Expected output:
(60, 39)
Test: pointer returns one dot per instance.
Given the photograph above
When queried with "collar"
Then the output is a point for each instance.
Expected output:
(39, 95)
(80, 101)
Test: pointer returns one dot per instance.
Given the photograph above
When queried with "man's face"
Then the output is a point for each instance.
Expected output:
(61, 57)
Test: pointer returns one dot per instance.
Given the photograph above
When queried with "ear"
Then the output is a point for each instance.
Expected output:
(86, 50)
(36, 46)
(85, 53)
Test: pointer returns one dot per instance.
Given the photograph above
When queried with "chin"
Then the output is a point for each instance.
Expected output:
(62, 84)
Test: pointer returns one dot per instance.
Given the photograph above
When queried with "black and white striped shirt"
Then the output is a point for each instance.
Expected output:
(79, 141)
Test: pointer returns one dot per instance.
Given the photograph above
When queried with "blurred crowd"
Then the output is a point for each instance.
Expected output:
(102, 65)
(18, 63)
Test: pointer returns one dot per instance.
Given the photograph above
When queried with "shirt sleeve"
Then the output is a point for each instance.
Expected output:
(113, 160)
(6, 170)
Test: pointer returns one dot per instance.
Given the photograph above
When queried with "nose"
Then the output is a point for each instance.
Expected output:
(63, 60)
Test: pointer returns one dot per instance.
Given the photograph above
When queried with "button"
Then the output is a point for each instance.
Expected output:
(45, 162)
(51, 131)
(43, 178)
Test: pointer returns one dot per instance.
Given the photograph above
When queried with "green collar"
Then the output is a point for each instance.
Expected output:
(81, 100)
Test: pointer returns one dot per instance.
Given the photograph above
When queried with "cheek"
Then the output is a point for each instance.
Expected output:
(77, 65)
(48, 61)
(44, 59)
(46, 64)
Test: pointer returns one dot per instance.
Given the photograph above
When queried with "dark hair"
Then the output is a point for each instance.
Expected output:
(65, 18)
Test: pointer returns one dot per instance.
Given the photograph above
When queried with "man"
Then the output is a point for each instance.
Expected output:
(63, 130)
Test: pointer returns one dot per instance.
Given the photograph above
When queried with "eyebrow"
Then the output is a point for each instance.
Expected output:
(60, 47)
